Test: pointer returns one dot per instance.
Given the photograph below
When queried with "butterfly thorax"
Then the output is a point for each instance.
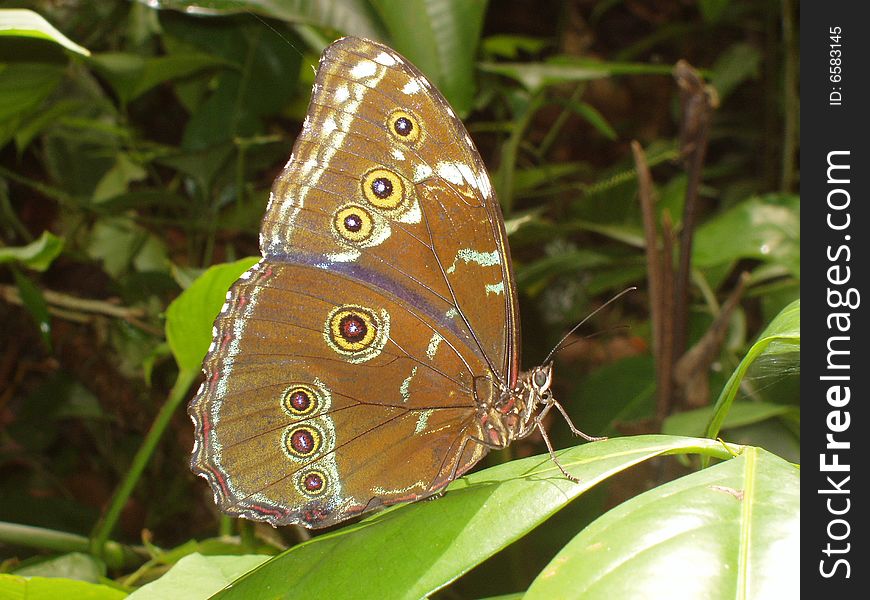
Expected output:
(512, 414)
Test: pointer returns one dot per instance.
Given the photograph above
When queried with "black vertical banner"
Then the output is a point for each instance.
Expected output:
(835, 112)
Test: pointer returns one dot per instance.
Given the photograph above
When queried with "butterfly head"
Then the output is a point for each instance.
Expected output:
(538, 382)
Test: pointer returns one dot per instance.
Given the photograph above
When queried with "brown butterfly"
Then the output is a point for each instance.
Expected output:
(372, 355)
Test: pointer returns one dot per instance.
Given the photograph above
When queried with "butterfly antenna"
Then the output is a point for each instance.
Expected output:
(276, 32)
(593, 335)
(558, 346)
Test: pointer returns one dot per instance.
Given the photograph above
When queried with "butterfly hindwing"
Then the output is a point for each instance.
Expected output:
(318, 406)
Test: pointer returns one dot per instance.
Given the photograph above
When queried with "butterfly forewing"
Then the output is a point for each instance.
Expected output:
(344, 368)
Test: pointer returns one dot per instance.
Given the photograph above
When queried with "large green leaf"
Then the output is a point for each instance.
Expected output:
(353, 17)
(782, 336)
(196, 576)
(131, 75)
(729, 531)
(413, 550)
(51, 588)
(769, 230)
(190, 317)
(440, 37)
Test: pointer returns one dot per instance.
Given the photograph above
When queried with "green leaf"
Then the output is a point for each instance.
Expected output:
(782, 336)
(122, 245)
(26, 23)
(190, 317)
(74, 565)
(440, 37)
(729, 531)
(34, 302)
(694, 422)
(37, 255)
(51, 588)
(196, 577)
(23, 86)
(535, 76)
(116, 180)
(769, 229)
(413, 550)
(511, 46)
(741, 62)
(353, 17)
(131, 75)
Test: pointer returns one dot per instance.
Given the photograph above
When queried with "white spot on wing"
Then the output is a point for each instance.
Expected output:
(423, 420)
(433, 345)
(329, 125)
(484, 259)
(397, 154)
(364, 68)
(342, 94)
(468, 175)
(450, 172)
(406, 385)
(412, 87)
(385, 59)
(421, 172)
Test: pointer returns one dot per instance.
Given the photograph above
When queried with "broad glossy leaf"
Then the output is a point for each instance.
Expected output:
(413, 550)
(694, 422)
(73, 565)
(26, 23)
(728, 531)
(350, 16)
(197, 577)
(782, 336)
(51, 588)
(440, 37)
(190, 317)
(769, 230)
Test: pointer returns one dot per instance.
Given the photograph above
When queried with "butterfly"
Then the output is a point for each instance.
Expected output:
(372, 355)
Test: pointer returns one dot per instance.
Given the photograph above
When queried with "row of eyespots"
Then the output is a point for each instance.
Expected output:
(381, 188)
(304, 441)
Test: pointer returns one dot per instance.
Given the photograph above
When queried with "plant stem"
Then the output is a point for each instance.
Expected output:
(107, 523)
(115, 555)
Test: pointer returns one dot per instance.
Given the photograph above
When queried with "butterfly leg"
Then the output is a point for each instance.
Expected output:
(553, 456)
(574, 430)
(470, 438)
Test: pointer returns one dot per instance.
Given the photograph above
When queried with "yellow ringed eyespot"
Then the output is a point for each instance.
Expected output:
(404, 126)
(383, 189)
(353, 223)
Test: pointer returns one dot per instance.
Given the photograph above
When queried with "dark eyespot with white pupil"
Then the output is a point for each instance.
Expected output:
(353, 328)
(353, 222)
(382, 187)
(403, 126)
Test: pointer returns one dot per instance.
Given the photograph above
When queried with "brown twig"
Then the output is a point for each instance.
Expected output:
(691, 370)
(668, 354)
(698, 101)
(654, 268)
(80, 310)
